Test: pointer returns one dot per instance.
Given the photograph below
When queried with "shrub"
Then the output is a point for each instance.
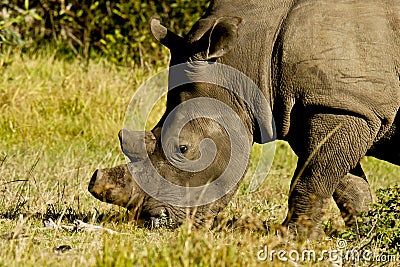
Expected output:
(379, 229)
(118, 30)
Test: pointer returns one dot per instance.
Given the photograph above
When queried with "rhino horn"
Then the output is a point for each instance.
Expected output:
(136, 145)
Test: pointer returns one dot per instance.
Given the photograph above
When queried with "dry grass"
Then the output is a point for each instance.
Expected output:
(59, 122)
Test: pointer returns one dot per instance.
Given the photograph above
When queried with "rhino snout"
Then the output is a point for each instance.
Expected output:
(115, 186)
(98, 187)
(92, 184)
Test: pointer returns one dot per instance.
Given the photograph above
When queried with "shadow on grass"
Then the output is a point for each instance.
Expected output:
(67, 215)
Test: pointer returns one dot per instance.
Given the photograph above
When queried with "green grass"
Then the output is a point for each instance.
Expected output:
(58, 123)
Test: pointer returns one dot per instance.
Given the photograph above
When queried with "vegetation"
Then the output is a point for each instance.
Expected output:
(379, 228)
(59, 122)
(62, 101)
(116, 30)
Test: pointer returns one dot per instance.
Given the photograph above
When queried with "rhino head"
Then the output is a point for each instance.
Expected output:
(190, 164)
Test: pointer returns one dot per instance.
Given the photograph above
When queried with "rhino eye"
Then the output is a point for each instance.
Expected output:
(183, 148)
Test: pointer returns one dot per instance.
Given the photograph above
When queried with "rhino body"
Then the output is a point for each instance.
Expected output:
(329, 71)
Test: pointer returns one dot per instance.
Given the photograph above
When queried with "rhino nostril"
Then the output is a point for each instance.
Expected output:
(120, 136)
(93, 181)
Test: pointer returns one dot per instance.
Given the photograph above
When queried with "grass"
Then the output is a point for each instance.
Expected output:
(59, 122)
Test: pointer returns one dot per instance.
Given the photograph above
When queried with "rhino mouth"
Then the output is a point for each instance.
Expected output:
(161, 220)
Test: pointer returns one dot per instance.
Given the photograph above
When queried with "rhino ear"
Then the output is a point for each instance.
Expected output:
(223, 36)
(163, 35)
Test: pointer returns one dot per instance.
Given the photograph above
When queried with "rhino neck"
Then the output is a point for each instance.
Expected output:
(228, 85)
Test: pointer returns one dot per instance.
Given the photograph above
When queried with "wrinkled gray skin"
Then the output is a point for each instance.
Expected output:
(329, 70)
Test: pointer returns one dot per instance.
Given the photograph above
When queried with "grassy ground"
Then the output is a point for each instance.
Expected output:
(58, 123)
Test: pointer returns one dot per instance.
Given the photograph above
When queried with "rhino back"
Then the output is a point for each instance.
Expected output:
(339, 55)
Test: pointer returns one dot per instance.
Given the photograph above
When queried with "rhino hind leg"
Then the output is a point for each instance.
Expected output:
(332, 145)
(352, 195)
